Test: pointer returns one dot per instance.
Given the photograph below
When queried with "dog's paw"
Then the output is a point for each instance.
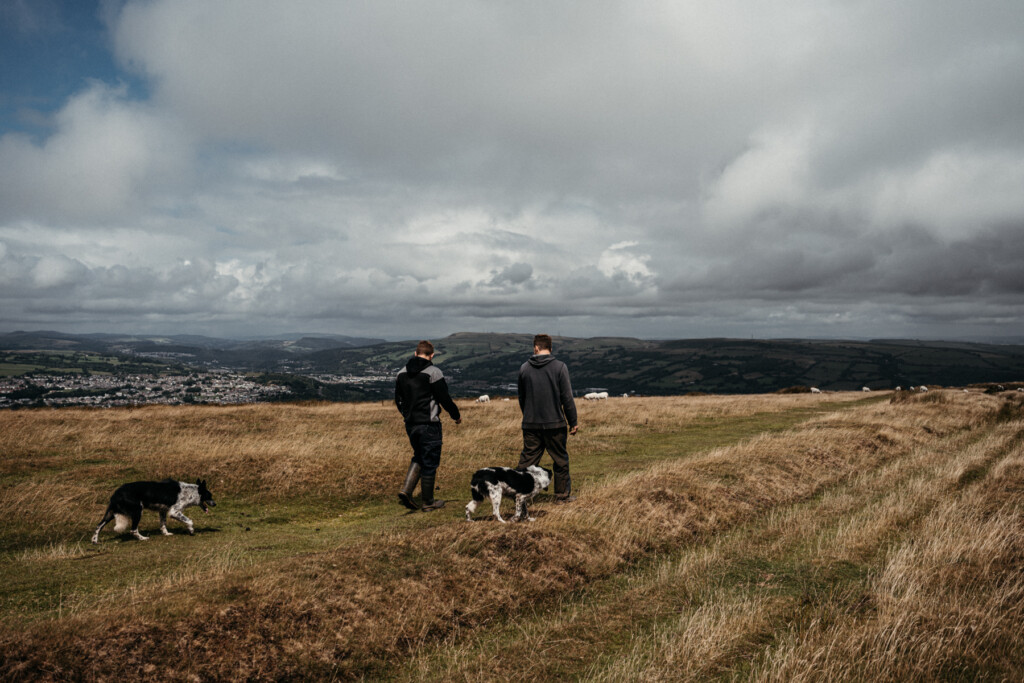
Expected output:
(165, 532)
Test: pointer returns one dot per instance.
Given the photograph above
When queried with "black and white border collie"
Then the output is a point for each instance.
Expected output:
(492, 482)
(168, 497)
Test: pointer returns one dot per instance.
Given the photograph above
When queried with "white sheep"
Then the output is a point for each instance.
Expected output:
(866, 389)
(815, 390)
(483, 398)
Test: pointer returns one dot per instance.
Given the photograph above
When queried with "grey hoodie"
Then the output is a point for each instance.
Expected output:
(545, 393)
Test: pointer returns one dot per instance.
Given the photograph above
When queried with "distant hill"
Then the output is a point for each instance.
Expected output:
(206, 347)
(487, 363)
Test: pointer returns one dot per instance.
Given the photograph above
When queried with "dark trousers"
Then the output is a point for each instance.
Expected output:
(426, 446)
(536, 441)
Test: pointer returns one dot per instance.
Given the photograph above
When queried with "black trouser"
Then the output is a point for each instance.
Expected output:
(536, 441)
(426, 446)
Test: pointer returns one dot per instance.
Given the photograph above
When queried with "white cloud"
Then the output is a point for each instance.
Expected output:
(622, 260)
(954, 192)
(106, 158)
(773, 173)
(54, 271)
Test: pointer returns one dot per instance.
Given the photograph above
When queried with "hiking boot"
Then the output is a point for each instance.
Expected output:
(412, 477)
(564, 498)
(427, 494)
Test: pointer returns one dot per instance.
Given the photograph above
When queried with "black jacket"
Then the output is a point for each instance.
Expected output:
(421, 392)
(545, 393)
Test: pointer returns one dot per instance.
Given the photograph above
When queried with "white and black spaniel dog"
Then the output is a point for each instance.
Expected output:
(493, 482)
(167, 497)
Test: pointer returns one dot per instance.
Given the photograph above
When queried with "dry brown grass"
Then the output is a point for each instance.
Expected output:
(377, 593)
(809, 568)
(948, 602)
(271, 452)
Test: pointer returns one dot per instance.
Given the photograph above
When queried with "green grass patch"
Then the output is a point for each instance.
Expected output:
(694, 437)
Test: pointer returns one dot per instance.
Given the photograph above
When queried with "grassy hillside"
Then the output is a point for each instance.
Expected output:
(773, 537)
(481, 363)
(477, 363)
(17, 363)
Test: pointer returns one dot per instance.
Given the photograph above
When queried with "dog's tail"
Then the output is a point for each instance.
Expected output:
(121, 522)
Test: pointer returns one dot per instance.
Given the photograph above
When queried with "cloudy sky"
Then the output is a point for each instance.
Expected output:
(765, 168)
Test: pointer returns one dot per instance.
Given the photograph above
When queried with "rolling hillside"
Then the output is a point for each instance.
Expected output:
(478, 363)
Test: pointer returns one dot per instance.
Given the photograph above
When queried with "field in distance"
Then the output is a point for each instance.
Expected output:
(843, 536)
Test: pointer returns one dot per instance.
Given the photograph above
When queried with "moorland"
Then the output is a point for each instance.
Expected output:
(835, 536)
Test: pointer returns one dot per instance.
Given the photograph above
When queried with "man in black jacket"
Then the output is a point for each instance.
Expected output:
(549, 413)
(420, 393)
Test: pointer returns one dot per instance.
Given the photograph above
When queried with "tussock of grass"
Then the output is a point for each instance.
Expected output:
(53, 551)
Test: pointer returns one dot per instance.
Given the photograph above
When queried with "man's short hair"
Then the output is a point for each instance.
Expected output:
(424, 348)
(542, 342)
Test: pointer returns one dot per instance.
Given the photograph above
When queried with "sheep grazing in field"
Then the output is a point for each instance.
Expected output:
(596, 395)
(922, 388)
(898, 388)
(866, 389)
(815, 390)
(483, 398)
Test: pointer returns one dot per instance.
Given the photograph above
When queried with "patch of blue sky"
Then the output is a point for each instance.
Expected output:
(49, 51)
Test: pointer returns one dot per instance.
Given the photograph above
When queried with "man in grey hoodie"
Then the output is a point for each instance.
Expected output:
(549, 413)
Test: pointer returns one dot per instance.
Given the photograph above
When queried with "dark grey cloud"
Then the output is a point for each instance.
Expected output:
(515, 274)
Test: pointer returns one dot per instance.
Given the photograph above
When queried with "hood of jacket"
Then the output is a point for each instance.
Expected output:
(417, 364)
(541, 359)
